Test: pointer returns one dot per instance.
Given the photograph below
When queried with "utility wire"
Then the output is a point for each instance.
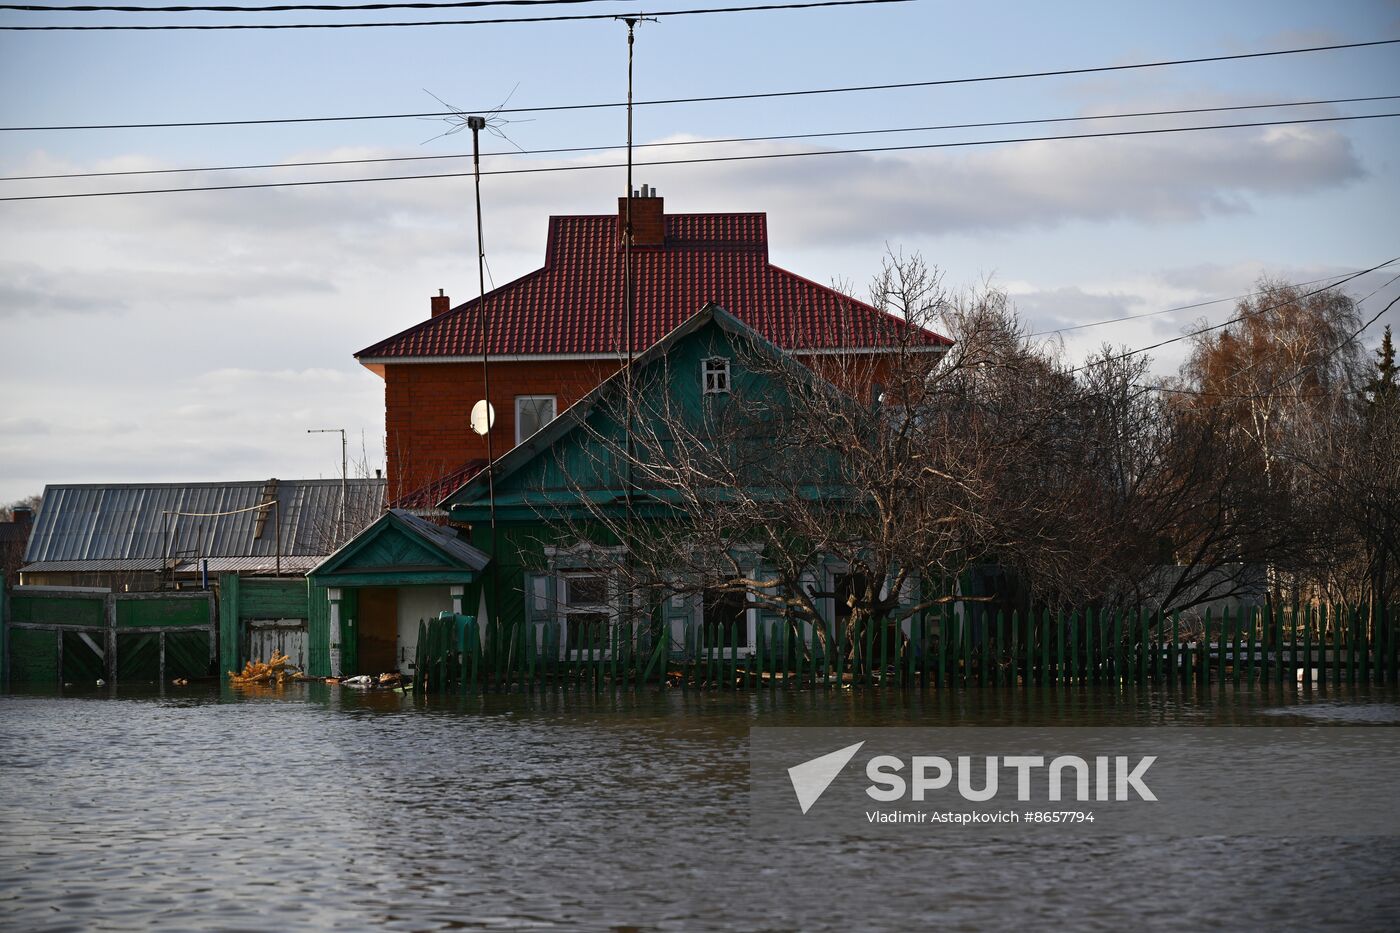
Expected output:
(285, 8)
(1295, 375)
(711, 99)
(500, 20)
(1235, 319)
(1191, 307)
(1301, 370)
(702, 160)
(708, 142)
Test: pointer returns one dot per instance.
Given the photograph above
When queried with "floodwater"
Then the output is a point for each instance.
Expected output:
(315, 807)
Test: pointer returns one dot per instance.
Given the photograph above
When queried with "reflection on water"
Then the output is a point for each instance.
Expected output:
(313, 807)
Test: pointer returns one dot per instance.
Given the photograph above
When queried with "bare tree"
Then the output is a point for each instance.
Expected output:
(1286, 368)
(902, 468)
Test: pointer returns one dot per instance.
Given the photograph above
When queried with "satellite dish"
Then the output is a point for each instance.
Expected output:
(483, 417)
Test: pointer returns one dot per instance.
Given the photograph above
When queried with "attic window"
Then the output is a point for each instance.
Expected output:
(714, 376)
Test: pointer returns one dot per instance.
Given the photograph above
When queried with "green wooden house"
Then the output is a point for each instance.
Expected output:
(544, 576)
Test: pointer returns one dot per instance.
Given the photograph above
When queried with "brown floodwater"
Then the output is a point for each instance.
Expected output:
(316, 807)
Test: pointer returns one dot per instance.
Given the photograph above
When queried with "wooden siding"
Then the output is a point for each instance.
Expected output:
(174, 612)
(577, 463)
(318, 628)
(33, 656)
(58, 610)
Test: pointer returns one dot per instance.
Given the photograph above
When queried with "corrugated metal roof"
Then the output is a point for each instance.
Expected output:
(245, 565)
(91, 566)
(102, 524)
(571, 306)
(297, 563)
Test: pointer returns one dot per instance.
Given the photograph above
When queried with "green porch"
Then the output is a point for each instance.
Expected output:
(400, 570)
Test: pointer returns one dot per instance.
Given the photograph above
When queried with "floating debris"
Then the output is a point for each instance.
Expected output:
(258, 672)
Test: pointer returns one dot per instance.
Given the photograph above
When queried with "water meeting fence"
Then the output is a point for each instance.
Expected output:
(1316, 645)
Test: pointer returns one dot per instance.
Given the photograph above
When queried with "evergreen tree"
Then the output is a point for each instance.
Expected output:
(1383, 384)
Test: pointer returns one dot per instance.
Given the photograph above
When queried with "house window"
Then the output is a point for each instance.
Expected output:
(532, 412)
(726, 618)
(585, 606)
(714, 376)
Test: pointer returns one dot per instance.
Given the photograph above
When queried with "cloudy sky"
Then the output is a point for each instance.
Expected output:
(197, 336)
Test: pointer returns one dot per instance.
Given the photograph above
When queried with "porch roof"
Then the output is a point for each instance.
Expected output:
(399, 549)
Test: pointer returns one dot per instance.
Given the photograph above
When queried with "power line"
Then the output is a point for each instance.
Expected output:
(1237, 318)
(285, 8)
(708, 142)
(1190, 307)
(500, 20)
(711, 99)
(702, 160)
(1296, 374)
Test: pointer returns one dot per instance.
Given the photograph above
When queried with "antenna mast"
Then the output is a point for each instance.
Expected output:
(628, 300)
(476, 124)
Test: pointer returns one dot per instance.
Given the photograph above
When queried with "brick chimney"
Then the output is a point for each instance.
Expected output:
(648, 218)
(22, 515)
(441, 304)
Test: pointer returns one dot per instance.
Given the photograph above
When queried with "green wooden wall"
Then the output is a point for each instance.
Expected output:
(144, 613)
(244, 598)
(318, 629)
(59, 610)
(33, 656)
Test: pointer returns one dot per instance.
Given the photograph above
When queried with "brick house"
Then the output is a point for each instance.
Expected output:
(557, 332)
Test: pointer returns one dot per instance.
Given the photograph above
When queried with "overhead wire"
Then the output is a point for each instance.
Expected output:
(1232, 320)
(786, 137)
(1190, 307)
(694, 161)
(1300, 371)
(803, 92)
(494, 21)
(290, 7)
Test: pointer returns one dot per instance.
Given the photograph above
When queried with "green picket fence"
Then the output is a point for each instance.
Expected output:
(1320, 644)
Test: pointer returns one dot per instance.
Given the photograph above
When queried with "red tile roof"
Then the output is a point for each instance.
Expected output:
(572, 305)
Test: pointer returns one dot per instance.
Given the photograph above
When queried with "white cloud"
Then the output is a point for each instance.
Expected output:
(194, 336)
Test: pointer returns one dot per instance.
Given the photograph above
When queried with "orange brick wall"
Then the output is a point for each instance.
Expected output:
(427, 411)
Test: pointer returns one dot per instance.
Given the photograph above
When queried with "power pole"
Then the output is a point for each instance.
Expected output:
(344, 477)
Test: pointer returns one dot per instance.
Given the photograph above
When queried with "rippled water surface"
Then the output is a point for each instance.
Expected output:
(317, 807)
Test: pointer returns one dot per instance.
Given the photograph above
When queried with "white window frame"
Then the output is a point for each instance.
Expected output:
(751, 612)
(519, 399)
(583, 561)
(723, 372)
(608, 608)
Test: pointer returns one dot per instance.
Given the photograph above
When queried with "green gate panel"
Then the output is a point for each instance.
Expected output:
(186, 654)
(82, 665)
(272, 599)
(318, 641)
(141, 613)
(33, 656)
(138, 657)
(58, 610)
(230, 628)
